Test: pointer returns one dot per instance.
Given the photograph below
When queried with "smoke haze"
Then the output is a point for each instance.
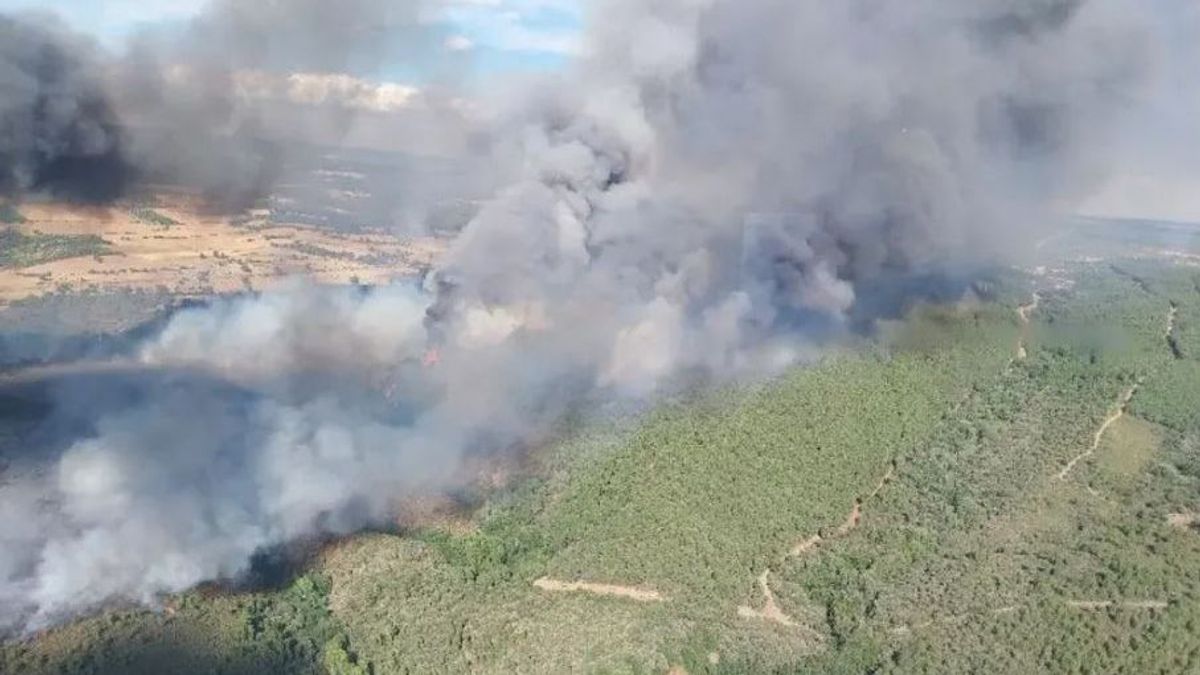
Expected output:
(712, 191)
(214, 106)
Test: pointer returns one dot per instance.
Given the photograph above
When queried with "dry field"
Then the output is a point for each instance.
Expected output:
(202, 253)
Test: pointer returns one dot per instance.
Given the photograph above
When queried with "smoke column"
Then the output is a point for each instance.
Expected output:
(714, 185)
(58, 131)
(202, 106)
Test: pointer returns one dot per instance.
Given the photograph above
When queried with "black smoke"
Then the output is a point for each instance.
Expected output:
(59, 132)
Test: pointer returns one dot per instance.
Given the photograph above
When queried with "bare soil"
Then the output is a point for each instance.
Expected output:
(1096, 605)
(1183, 521)
(770, 611)
(1023, 313)
(206, 253)
(612, 590)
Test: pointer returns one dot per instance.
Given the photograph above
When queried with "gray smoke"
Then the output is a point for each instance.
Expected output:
(58, 130)
(204, 106)
(727, 171)
(715, 190)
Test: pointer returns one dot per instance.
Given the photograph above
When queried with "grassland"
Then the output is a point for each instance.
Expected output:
(20, 250)
(930, 502)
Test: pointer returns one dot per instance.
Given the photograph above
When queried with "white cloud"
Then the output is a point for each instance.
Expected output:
(459, 43)
(326, 89)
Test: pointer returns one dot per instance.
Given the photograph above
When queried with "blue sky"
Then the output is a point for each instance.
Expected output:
(504, 35)
(517, 34)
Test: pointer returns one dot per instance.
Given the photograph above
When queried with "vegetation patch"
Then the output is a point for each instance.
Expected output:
(18, 249)
(10, 215)
(149, 216)
(286, 631)
(1128, 447)
(976, 558)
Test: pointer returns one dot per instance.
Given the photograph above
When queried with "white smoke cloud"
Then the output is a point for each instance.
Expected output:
(287, 332)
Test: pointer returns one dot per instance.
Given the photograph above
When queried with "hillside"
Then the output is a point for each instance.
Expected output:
(1006, 486)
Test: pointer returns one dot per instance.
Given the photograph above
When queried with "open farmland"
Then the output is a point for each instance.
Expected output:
(176, 247)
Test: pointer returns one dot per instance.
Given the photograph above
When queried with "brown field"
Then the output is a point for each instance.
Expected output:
(206, 253)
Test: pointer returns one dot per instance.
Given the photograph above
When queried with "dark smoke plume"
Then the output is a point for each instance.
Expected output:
(59, 133)
(207, 107)
(713, 180)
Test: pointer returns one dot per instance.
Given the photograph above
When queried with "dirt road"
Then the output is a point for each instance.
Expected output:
(1023, 313)
(612, 590)
(770, 610)
(1112, 419)
(1096, 605)
(853, 519)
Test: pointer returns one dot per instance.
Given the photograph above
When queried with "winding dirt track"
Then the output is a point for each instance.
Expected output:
(1025, 310)
(1182, 520)
(1112, 419)
(1122, 404)
(1023, 313)
(770, 610)
(853, 519)
(1178, 520)
(1172, 340)
(611, 590)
